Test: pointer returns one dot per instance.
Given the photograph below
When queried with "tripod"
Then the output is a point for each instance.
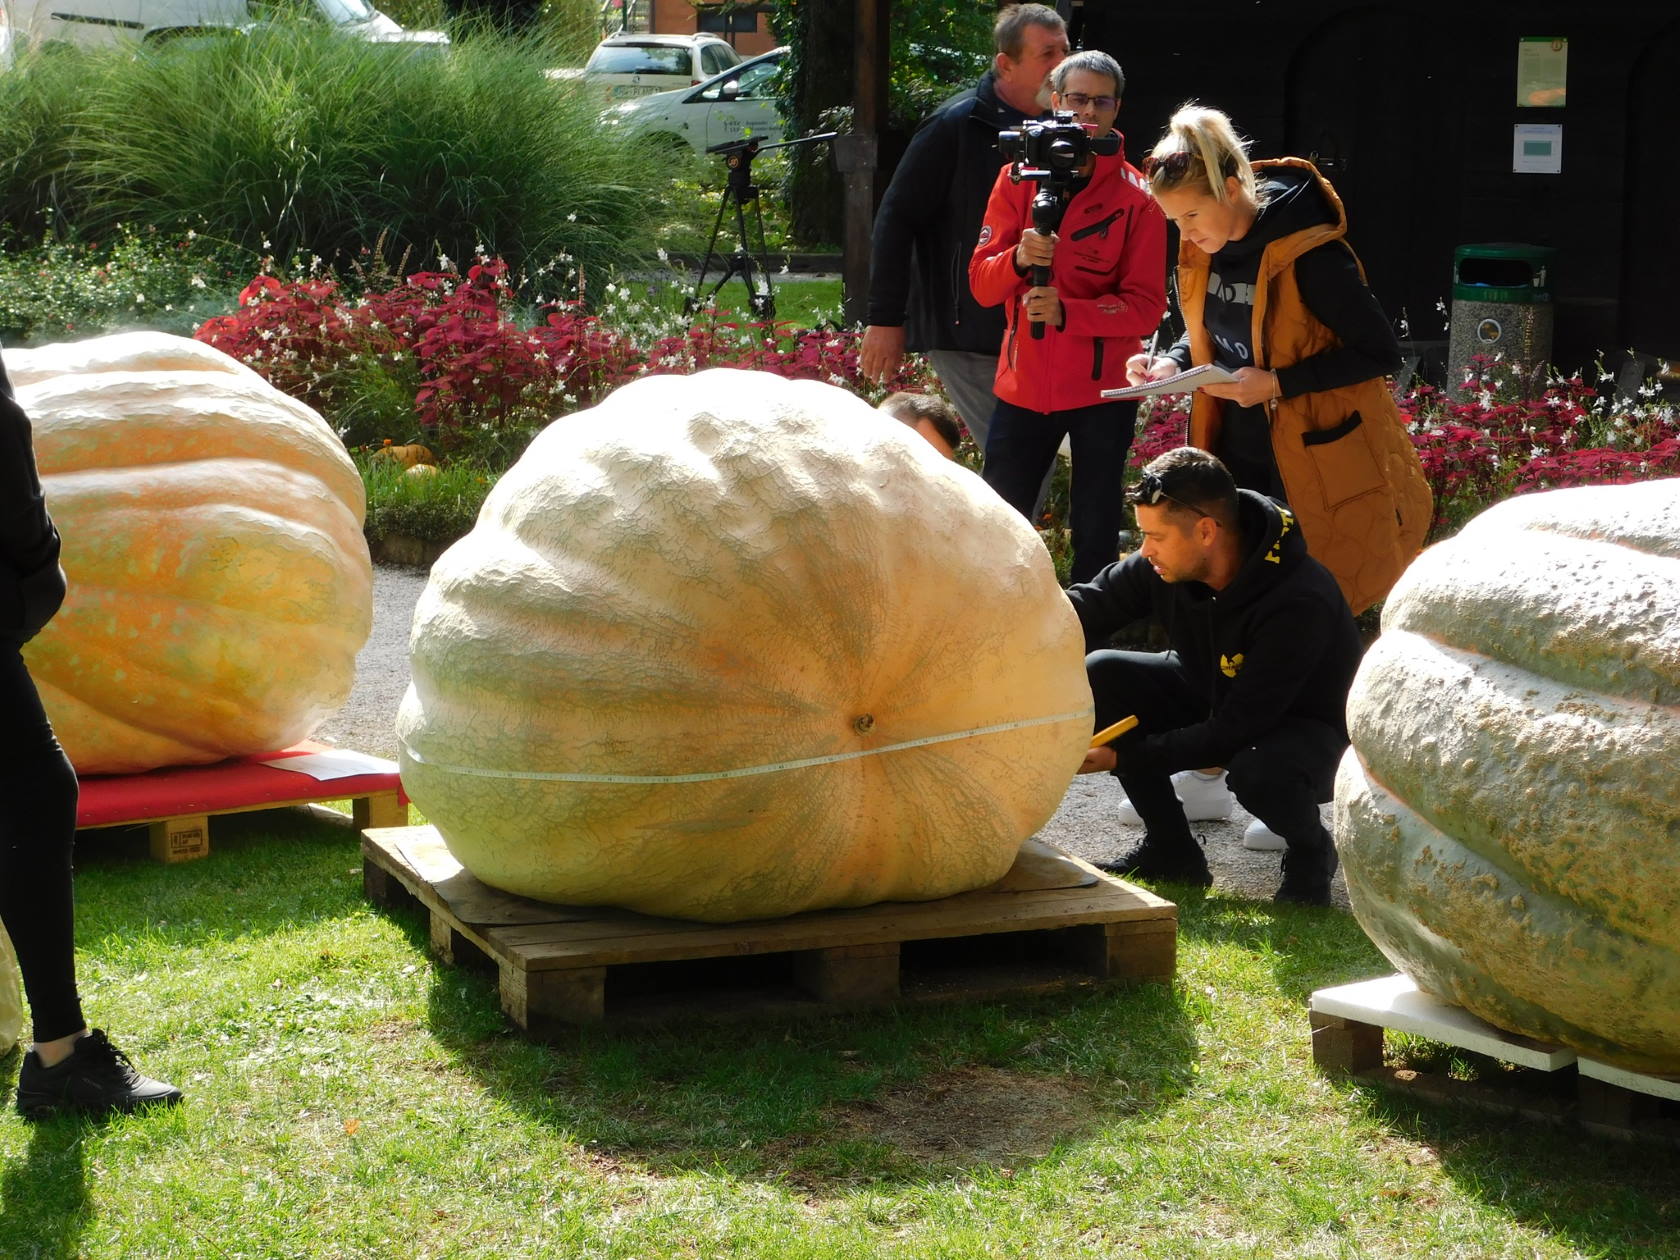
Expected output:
(750, 264)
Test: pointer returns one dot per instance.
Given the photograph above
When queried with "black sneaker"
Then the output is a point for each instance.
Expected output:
(1156, 861)
(96, 1078)
(1306, 875)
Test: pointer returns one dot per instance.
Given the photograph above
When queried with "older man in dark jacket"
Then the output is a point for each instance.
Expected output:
(930, 219)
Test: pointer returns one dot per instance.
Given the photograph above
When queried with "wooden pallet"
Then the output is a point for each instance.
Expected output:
(1052, 923)
(1547, 1082)
(176, 804)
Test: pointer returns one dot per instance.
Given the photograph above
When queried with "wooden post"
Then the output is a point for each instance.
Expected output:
(180, 839)
(1345, 1045)
(856, 155)
(378, 809)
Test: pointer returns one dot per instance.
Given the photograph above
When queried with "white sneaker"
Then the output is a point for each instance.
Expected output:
(1204, 796)
(1262, 839)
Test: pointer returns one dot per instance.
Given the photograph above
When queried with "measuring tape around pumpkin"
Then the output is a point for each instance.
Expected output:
(558, 776)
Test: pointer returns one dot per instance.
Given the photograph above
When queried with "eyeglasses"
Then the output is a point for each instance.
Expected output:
(1078, 100)
(1170, 165)
(1150, 490)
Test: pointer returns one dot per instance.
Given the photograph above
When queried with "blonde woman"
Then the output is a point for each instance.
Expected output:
(1270, 290)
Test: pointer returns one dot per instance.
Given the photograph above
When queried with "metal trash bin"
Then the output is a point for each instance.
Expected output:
(1501, 305)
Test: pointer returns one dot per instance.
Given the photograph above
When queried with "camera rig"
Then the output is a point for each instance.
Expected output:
(750, 261)
(1051, 152)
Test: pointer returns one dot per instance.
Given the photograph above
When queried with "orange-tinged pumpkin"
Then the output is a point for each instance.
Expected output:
(731, 646)
(1509, 812)
(411, 456)
(219, 582)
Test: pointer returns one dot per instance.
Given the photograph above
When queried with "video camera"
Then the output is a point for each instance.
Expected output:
(1051, 152)
(1052, 149)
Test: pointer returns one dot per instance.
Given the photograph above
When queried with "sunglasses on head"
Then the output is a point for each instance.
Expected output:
(1170, 165)
(1150, 490)
(1079, 100)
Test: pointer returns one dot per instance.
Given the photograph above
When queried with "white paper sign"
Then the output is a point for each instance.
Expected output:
(338, 764)
(1537, 149)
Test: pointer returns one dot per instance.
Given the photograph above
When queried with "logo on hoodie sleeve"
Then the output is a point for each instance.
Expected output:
(1274, 554)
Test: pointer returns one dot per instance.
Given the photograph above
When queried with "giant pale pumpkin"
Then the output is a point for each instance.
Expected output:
(219, 580)
(1509, 813)
(730, 646)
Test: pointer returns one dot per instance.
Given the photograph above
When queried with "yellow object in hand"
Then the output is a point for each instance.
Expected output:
(1112, 732)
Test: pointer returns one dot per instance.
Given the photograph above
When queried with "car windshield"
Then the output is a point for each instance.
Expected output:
(346, 11)
(641, 59)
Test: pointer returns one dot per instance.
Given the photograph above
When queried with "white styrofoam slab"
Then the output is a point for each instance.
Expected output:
(1394, 1002)
(1659, 1086)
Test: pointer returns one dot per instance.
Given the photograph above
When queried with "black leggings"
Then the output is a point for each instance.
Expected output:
(37, 834)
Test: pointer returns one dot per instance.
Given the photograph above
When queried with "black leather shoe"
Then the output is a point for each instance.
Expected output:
(1156, 861)
(1306, 874)
(96, 1078)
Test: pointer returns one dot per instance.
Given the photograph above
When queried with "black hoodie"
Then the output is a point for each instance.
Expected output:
(1277, 642)
(1331, 287)
(31, 583)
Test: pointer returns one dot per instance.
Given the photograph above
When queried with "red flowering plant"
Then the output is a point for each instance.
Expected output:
(473, 375)
(1494, 439)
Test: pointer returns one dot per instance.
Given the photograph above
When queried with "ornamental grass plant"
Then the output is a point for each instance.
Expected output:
(291, 139)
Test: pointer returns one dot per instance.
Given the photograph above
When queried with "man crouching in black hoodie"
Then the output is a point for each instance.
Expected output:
(1263, 650)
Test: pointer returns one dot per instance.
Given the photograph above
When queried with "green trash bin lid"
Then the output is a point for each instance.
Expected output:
(1502, 272)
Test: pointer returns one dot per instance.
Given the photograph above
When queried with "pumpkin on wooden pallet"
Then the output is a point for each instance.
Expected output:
(732, 646)
(219, 582)
(1509, 812)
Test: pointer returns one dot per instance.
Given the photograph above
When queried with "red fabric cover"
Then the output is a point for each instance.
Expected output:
(241, 783)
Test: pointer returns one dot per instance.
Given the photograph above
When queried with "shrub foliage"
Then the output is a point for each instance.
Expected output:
(296, 140)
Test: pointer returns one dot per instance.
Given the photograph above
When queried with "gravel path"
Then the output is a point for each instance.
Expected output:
(1084, 824)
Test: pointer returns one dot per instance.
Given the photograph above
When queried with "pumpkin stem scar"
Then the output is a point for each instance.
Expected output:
(549, 776)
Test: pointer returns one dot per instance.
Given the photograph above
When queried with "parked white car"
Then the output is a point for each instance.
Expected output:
(95, 22)
(739, 102)
(626, 66)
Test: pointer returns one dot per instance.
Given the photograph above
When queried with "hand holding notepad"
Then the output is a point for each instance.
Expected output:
(1178, 383)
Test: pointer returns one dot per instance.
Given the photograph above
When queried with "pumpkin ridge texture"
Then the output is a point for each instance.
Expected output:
(725, 571)
(219, 582)
(1508, 813)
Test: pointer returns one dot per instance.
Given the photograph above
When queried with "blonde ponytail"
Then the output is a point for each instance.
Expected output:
(1201, 150)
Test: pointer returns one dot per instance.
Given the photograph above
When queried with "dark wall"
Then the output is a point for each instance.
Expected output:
(1409, 109)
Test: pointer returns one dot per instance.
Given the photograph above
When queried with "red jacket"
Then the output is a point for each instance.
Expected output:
(1109, 271)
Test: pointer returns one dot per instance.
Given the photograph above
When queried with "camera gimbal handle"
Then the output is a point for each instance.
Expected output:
(1048, 206)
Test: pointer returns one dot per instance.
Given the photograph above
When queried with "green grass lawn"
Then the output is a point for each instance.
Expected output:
(349, 1097)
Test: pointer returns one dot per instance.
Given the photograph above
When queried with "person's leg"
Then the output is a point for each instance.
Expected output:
(37, 833)
(1280, 780)
(1101, 437)
(967, 378)
(1153, 687)
(1245, 448)
(1021, 445)
(70, 1067)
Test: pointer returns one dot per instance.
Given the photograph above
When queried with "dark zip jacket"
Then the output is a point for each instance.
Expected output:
(31, 582)
(1278, 642)
(929, 221)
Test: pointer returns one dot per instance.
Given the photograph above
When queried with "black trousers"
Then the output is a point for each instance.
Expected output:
(1280, 778)
(1021, 448)
(37, 835)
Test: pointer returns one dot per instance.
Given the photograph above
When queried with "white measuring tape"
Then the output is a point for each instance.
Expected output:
(550, 776)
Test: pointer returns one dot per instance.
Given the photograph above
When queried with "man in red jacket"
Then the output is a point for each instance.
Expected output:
(1106, 293)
